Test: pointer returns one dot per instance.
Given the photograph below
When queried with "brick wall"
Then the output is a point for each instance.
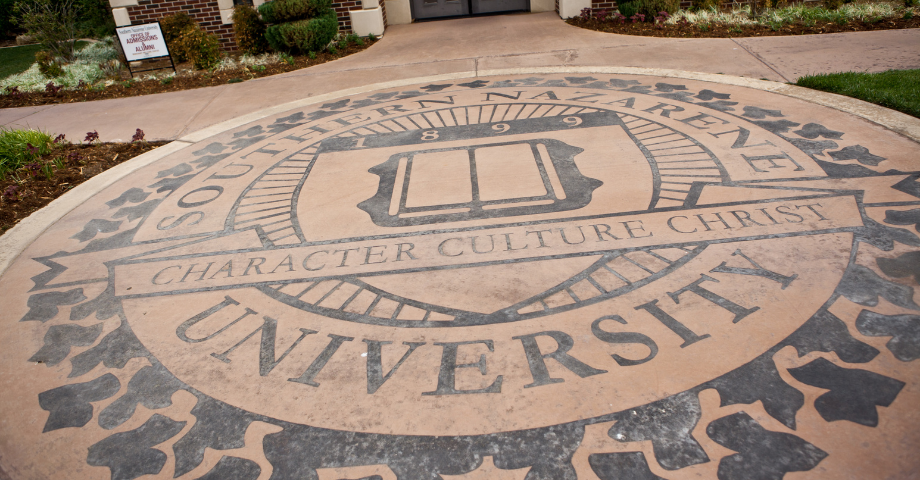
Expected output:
(205, 12)
(343, 7)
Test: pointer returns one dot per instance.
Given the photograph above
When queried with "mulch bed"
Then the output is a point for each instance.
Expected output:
(179, 82)
(82, 162)
(734, 31)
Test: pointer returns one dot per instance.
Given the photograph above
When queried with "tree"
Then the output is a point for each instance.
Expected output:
(52, 23)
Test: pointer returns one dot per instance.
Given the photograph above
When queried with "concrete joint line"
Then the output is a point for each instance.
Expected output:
(205, 107)
(17, 239)
(760, 59)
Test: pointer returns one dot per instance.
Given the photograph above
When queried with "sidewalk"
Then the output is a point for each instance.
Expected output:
(475, 45)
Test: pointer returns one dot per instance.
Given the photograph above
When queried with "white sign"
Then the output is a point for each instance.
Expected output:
(141, 42)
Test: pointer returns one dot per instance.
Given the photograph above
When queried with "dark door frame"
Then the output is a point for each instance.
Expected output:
(469, 6)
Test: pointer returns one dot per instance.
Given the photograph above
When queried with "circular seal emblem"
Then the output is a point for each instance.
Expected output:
(553, 277)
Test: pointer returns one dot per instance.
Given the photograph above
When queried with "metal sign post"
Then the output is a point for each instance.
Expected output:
(143, 42)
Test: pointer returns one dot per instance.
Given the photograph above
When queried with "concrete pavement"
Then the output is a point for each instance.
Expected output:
(474, 45)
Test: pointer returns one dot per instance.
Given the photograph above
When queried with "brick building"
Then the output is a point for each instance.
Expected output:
(215, 16)
(358, 16)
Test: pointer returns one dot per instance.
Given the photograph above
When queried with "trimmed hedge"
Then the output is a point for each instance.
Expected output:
(249, 30)
(651, 8)
(280, 11)
(303, 35)
(199, 47)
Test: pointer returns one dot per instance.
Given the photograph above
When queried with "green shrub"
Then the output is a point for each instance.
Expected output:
(304, 35)
(628, 9)
(910, 3)
(48, 65)
(174, 25)
(199, 47)
(704, 4)
(249, 30)
(279, 11)
(650, 8)
(833, 4)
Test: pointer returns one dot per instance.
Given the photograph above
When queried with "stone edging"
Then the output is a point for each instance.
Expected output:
(18, 238)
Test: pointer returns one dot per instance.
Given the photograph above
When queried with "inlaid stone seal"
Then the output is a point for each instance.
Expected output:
(517, 277)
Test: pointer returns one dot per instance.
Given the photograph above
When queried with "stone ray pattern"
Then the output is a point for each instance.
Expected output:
(298, 451)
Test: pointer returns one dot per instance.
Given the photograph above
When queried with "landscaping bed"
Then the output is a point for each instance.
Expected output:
(661, 18)
(26, 191)
(689, 30)
(187, 79)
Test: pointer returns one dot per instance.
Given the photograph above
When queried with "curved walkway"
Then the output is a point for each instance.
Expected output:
(476, 45)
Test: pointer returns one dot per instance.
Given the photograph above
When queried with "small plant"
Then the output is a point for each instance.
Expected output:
(60, 139)
(652, 8)
(359, 42)
(127, 83)
(249, 30)
(13, 91)
(48, 170)
(333, 50)
(91, 137)
(372, 37)
(280, 11)
(585, 14)
(58, 163)
(173, 26)
(312, 55)
(351, 38)
(74, 156)
(11, 193)
(138, 136)
(289, 59)
(167, 80)
(235, 80)
(602, 15)
(908, 14)
(628, 9)
(258, 68)
(33, 169)
(48, 65)
(20, 147)
(303, 35)
(52, 88)
(110, 68)
(199, 47)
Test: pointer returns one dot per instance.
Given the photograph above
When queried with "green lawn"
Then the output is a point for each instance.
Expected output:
(895, 89)
(14, 60)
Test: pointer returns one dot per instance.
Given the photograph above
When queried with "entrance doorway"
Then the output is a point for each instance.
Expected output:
(425, 9)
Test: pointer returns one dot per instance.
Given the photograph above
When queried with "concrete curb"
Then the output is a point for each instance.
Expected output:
(17, 239)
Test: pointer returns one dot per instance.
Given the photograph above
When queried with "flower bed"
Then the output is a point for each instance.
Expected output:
(230, 70)
(738, 22)
(51, 175)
